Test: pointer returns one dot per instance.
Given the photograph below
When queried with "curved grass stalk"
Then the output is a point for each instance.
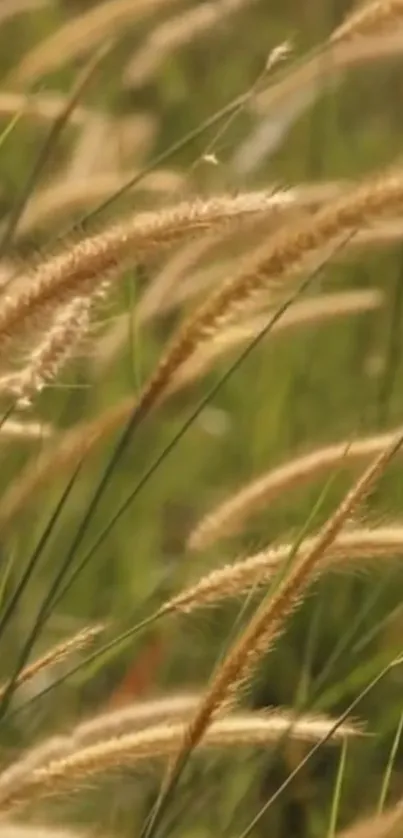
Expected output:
(80, 270)
(231, 515)
(369, 19)
(239, 730)
(265, 626)
(353, 550)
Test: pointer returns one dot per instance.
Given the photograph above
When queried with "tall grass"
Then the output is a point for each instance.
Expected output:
(189, 222)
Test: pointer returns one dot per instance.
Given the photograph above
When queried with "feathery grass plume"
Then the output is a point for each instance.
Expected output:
(239, 730)
(115, 723)
(201, 280)
(16, 773)
(231, 515)
(159, 299)
(315, 310)
(285, 251)
(47, 358)
(12, 429)
(80, 269)
(157, 296)
(369, 18)
(137, 714)
(161, 296)
(176, 283)
(389, 824)
(67, 195)
(352, 550)
(175, 33)
(268, 622)
(81, 34)
(170, 290)
(56, 655)
(80, 440)
(22, 830)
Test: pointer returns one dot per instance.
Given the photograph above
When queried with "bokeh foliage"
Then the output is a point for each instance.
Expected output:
(296, 391)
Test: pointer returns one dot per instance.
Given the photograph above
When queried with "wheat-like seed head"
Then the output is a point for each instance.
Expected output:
(82, 268)
(13, 429)
(389, 824)
(355, 549)
(79, 441)
(56, 655)
(315, 310)
(369, 19)
(51, 353)
(110, 725)
(270, 264)
(22, 830)
(231, 515)
(247, 730)
(268, 622)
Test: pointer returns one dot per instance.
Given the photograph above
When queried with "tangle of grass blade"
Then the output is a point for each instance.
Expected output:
(264, 629)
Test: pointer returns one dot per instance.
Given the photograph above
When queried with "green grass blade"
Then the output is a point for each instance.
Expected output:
(389, 767)
(334, 812)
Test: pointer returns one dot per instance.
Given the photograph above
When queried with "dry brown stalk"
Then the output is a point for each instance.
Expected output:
(81, 268)
(243, 729)
(386, 825)
(352, 550)
(268, 622)
(56, 655)
(175, 33)
(81, 34)
(231, 515)
(370, 18)
(285, 251)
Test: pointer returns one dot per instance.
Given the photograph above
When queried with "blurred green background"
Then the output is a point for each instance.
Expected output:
(296, 391)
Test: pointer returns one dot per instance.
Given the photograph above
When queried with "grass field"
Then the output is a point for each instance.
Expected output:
(201, 319)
